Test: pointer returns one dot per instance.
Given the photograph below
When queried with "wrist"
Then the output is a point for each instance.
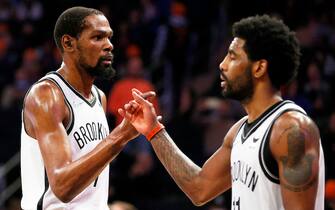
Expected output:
(158, 127)
(118, 137)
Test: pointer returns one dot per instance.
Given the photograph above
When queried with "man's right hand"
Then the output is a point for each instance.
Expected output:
(140, 113)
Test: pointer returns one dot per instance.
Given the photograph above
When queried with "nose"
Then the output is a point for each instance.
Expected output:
(223, 65)
(109, 46)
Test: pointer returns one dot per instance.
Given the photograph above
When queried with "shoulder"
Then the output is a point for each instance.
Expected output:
(43, 102)
(43, 96)
(294, 122)
(293, 128)
(45, 90)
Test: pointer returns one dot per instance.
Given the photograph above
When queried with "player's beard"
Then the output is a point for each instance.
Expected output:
(241, 88)
(100, 70)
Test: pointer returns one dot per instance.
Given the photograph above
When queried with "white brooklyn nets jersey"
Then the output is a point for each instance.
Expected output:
(87, 127)
(254, 173)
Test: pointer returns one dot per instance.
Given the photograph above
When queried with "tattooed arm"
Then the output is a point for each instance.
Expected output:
(199, 184)
(295, 146)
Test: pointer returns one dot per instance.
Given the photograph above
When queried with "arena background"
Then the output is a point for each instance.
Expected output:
(175, 46)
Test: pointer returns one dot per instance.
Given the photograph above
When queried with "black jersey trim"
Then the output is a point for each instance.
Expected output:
(268, 163)
(244, 120)
(90, 103)
(22, 113)
(46, 187)
(262, 118)
(98, 93)
(70, 125)
(24, 102)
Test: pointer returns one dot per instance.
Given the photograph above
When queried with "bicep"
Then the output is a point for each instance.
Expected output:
(295, 146)
(44, 112)
(54, 145)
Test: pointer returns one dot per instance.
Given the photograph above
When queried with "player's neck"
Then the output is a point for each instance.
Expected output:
(260, 102)
(78, 79)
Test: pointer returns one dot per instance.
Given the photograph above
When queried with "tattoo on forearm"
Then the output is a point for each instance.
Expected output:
(297, 165)
(180, 167)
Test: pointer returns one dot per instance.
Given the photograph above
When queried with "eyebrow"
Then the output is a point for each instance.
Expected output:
(231, 51)
(109, 33)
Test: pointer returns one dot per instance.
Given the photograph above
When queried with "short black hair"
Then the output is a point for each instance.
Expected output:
(72, 22)
(270, 39)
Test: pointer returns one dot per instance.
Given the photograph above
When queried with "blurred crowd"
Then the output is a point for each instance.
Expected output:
(173, 47)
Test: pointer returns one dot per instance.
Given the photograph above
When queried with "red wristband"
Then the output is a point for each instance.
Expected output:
(154, 131)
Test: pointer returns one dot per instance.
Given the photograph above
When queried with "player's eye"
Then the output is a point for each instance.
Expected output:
(98, 37)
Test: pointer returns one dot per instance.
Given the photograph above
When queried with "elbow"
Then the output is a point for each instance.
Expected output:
(63, 191)
(199, 202)
(64, 199)
(62, 194)
(199, 199)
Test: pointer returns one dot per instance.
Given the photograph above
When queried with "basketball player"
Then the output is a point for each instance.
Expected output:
(65, 143)
(271, 158)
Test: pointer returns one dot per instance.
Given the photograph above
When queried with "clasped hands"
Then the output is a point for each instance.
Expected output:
(140, 112)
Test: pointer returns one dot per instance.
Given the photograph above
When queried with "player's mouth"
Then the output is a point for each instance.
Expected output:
(223, 80)
(107, 60)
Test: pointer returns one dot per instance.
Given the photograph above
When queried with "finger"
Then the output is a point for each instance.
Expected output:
(129, 116)
(134, 104)
(148, 95)
(137, 91)
(127, 107)
(133, 108)
(121, 112)
(138, 98)
(125, 114)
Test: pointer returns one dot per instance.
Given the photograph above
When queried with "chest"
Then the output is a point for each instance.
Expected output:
(89, 127)
(246, 147)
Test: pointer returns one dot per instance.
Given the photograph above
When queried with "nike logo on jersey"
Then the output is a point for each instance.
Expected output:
(255, 139)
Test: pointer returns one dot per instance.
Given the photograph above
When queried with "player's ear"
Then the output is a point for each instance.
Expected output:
(260, 68)
(67, 43)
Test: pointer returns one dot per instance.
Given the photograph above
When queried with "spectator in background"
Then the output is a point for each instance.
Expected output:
(170, 54)
(25, 76)
(329, 145)
(8, 57)
(31, 10)
(136, 161)
(121, 91)
(291, 92)
(330, 194)
(316, 89)
(5, 10)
